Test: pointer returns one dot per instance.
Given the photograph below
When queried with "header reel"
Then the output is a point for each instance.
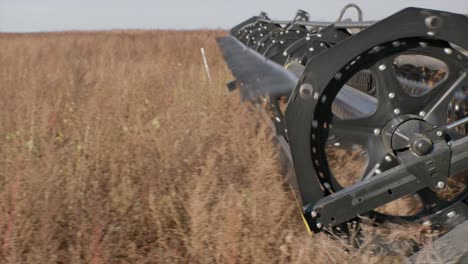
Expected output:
(375, 112)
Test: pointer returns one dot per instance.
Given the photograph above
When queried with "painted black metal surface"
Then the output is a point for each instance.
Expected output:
(323, 110)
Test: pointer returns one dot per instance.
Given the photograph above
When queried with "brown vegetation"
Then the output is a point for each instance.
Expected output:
(115, 148)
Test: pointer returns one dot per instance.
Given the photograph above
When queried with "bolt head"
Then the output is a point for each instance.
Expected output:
(427, 223)
(382, 67)
(391, 95)
(422, 114)
(448, 51)
(319, 225)
(396, 111)
(313, 214)
(422, 146)
(388, 158)
(440, 185)
(376, 131)
(439, 133)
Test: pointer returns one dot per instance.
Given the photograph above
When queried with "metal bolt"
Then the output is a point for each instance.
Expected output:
(427, 223)
(311, 49)
(319, 225)
(388, 158)
(423, 44)
(391, 95)
(396, 111)
(430, 33)
(451, 214)
(376, 131)
(306, 90)
(422, 114)
(440, 133)
(313, 214)
(448, 51)
(433, 22)
(278, 119)
(285, 54)
(378, 171)
(440, 185)
(319, 35)
(382, 67)
(396, 44)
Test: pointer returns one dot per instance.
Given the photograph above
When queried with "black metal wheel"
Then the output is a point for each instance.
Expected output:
(326, 114)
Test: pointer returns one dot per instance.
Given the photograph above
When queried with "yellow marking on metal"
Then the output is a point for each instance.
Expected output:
(300, 211)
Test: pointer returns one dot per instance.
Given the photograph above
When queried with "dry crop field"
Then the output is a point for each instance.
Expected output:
(115, 148)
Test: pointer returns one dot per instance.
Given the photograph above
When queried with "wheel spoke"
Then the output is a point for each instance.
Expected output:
(349, 132)
(376, 155)
(386, 80)
(439, 99)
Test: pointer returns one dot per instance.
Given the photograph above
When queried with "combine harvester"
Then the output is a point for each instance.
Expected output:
(368, 112)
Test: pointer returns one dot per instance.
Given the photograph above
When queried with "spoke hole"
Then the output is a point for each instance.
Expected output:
(347, 163)
(418, 74)
(356, 98)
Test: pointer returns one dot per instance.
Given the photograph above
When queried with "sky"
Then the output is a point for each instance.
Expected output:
(59, 15)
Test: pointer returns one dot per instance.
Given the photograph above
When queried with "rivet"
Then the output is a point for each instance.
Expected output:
(439, 133)
(382, 67)
(323, 99)
(396, 44)
(319, 225)
(451, 214)
(391, 95)
(316, 96)
(388, 158)
(422, 114)
(448, 51)
(440, 185)
(396, 111)
(313, 214)
(376, 131)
